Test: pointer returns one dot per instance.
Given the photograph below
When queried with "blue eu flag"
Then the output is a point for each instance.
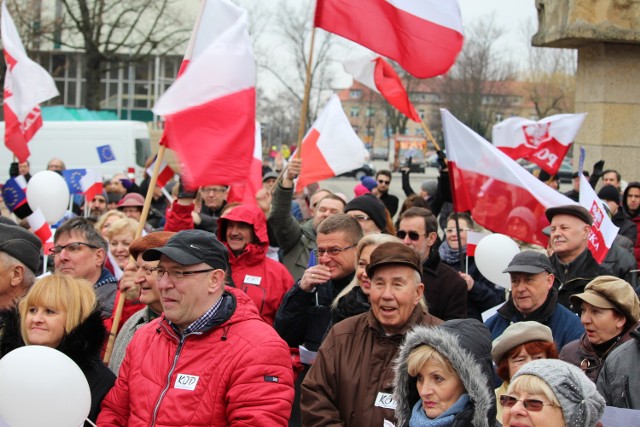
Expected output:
(105, 153)
(73, 176)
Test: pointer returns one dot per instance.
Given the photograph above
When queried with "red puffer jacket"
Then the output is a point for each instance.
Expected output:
(265, 281)
(236, 373)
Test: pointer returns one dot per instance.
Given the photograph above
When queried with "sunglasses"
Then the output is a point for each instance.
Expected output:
(382, 181)
(413, 235)
(534, 405)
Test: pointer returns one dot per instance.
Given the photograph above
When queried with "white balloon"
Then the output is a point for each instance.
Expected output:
(40, 386)
(493, 255)
(48, 191)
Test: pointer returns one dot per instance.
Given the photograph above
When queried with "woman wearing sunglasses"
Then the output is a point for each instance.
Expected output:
(443, 376)
(609, 313)
(551, 393)
(519, 344)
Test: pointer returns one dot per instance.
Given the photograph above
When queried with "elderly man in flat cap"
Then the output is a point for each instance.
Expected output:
(20, 254)
(351, 381)
(573, 264)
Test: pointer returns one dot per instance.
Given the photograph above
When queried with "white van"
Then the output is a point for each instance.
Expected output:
(77, 142)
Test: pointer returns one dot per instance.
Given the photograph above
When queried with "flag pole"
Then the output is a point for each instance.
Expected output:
(305, 99)
(429, 135)
(143, 219)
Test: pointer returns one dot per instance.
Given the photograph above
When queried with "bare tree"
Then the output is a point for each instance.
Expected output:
(475, 90)
(106, 31)
(549, 77)
(293, 26)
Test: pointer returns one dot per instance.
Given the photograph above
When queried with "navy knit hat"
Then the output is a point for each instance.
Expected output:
(372, 206)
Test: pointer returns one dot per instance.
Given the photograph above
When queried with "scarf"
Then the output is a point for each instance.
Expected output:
(450, 256)
(542, 314)
(419, 417)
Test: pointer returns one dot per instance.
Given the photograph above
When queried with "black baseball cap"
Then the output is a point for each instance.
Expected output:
(530, 262)
(189, 247)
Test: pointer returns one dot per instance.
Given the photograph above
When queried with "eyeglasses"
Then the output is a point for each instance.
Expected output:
(453, 230)
(360, 218)
(175, 275)
(71, 247)
(213, 190)
(331, 251)
(534, 405)
(382, 181)
(148, 271)
(413, 235)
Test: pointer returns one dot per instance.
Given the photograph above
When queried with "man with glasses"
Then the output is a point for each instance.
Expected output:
(382, 191)
(184, 214)
(210, 359)
(305, 312)
(80, 252)
(533, 298)
(444, 290)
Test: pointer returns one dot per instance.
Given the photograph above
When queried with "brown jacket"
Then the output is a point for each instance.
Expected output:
(353, 373)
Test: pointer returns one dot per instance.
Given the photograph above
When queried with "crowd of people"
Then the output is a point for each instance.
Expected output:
(319, 309)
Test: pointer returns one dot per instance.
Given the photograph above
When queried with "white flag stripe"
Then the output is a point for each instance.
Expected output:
(445, 13)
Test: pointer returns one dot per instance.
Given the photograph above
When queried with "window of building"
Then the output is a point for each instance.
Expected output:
(354, 112)
(355, 94)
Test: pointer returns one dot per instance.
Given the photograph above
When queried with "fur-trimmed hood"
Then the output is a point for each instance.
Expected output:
(466, 343)
(82, 345)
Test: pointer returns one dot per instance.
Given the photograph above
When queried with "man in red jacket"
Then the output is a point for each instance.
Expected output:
(243, 230)
(210, 360)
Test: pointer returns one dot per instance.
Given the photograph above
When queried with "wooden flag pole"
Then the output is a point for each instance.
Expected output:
(143, 219)
(429, 135)
(305, 100)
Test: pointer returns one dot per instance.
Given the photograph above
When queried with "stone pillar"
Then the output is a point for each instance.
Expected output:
(606, 34)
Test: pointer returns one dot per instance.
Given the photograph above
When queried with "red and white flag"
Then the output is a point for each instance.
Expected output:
(473, 238)
(544, 142)
(424, 36)
(91, 184)
(210, 108)
(379, 76)
(603, 231)
(330, 147)
(491, 185)
(26, 85)
(245, 192)
(164, 175)
(40, 228)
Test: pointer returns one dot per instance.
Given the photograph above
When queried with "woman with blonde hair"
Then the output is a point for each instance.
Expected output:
(106, 219)
(119, 236)
(62, 313)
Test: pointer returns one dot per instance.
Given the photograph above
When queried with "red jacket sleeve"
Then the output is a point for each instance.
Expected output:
(114, 410)
(179, 217)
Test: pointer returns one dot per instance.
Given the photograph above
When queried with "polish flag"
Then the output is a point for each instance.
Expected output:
(544, 142)
(91, 184)
(164, 175)
(245, 192)
(330, 147)
(210, 108)
(424, 36)
(26, 85)
(603, 231)
(379, 76)
(40, 228)
(489, 184)
(473, 238)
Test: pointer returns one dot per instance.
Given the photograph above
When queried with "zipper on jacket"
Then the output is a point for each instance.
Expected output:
(626, 393)
(169, 374)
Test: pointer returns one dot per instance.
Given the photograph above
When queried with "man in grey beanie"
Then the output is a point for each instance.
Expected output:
(581, 404)
(20, 252)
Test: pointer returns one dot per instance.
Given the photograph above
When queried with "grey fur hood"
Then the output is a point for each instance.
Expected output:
(467, 345)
